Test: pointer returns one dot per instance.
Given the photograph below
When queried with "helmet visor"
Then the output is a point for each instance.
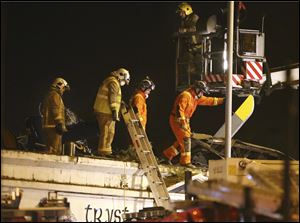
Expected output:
(67, 87)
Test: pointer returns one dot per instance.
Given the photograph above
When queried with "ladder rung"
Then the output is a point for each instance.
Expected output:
(152, 167)
(140, 136)
(134, 120)
(164, 198)
(146, 151)
(158, 182)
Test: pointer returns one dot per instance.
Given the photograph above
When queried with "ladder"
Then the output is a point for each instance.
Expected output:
(146, 156)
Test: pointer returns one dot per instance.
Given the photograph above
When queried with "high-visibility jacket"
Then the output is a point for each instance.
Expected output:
(183, 109)
(109, 96)
(138, 100)
(187, 102)
(53, 109)
(189, 23)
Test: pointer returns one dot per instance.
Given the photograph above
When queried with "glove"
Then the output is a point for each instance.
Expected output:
(115, 116)
(60, 128)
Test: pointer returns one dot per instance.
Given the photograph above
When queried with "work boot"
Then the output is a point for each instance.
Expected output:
(169, 162)
(103, 155)
(110, 156)
(189, 165)
(165, 161)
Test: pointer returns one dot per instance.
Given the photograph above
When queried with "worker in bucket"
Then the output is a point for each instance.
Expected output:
(107, 106)
(53, 116)
(182, 111)
(191, 41)
(138, 100)
(189, 19)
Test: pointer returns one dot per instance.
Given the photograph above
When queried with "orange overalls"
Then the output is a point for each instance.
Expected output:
(138, 100)
(183, 109)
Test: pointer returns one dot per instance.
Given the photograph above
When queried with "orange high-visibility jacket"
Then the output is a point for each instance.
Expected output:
(138, 100)
(186, 103)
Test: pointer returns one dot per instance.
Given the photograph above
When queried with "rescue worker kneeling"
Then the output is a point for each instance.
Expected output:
(183, 109)
(53, 112)
(107, 107)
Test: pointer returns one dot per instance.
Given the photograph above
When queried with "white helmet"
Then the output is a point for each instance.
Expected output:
(122, 75)
(60, 83)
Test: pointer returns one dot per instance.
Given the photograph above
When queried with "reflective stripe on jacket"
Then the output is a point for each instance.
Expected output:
(138, 100)
(53, 109)
(109, 96)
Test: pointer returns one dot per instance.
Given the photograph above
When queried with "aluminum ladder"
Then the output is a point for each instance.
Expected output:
(146, 156)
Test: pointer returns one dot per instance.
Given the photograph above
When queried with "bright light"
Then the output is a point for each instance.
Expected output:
(225, 64)
(249, 177)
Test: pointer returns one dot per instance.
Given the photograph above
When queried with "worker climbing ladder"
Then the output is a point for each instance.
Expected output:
(146, 157)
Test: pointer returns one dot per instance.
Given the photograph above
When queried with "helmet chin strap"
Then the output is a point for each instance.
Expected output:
(198, 93)
(122, 82)
(147, 92)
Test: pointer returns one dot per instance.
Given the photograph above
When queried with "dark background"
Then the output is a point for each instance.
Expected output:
(84, 42)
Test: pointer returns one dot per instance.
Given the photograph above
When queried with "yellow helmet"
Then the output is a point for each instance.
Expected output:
(186, 8)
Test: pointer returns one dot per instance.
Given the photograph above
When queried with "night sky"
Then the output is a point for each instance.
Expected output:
(84, 41)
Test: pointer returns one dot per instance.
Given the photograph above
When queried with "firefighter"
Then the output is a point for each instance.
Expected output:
(183, 109)
(53, 116)
(191, 48)
(107, 107)
(189, 19)
(138, 100)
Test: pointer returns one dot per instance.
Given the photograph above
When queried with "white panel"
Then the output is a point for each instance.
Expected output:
(281, 76)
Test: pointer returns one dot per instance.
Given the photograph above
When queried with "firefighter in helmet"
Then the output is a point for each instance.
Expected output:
(191, 41)
(188, 18)
(53, 115)
(138, 100)
(107, 106)
(182, 111)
